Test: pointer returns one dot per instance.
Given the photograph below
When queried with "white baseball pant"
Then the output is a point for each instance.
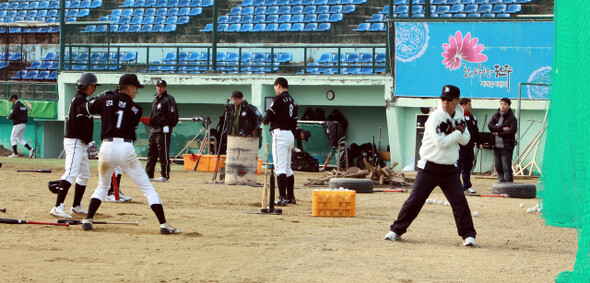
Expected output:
(282, 145)
(17, 134)
(77, 168)
(120, 153)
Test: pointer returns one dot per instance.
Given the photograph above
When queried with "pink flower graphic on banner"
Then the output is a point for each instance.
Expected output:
(460, 48)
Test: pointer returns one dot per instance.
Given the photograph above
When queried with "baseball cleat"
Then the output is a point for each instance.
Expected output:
(14, 155)
(78, 209)
(161, 180)
(32, 153)
(122, 198)
(166, 229)
(469, 242)
(471, 191)
(87, 224)
(292, 201)
(392, 236)
(58, 211)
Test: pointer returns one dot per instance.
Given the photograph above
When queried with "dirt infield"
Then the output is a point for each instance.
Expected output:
(220, 243)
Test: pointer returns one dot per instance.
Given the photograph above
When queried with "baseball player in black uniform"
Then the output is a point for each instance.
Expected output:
(282, 116)
(120, 117)
(163, 118)
(19, 116)
(79, 128)
(466, 155)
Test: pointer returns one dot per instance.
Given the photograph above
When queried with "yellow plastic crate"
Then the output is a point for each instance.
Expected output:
(334, 203)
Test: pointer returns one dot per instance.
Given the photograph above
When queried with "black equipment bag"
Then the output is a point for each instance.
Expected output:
(303, 161)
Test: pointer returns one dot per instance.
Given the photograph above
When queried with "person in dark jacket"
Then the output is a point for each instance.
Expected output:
(247, 122)
(19, 116)
(163, 119)
(466, 155)
(503, 125)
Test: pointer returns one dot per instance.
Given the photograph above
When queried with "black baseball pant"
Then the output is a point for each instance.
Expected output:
(465, 164)
(158, 148)
(447, 178)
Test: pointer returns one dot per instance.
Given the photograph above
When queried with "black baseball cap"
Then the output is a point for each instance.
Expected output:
(130, 79)
(162, 83)
(450, 92)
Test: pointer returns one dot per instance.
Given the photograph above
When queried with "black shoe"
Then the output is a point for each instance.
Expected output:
(292, 201)
(281, 202)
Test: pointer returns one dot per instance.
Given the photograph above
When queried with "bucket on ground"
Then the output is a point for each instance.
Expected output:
(241, 164)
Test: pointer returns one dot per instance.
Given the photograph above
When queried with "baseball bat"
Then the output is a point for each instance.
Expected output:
(36, 171)
(264, 188)
(327, 160)
(3, 210)
(200, 153)
(391, 191)
(19, 221)
(79, 222)
(489, 196)
(115, 186)
(271, 198)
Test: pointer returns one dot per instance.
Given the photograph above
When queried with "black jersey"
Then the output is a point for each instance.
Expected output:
(282, 113)
(80, 124)
(19, 113)
(164, 112)
(119, 115)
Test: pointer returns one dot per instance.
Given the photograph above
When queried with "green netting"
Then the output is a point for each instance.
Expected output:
(564, 186)
(37, 109)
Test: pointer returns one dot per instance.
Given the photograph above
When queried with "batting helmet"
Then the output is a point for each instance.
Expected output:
(54, 186)
(86, 79)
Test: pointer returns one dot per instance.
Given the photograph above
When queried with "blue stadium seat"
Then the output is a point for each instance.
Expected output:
(160, 4)
(311, 18)
(127, 12)
(324, 9)
(30, 75)
(375, 18)
(90, 28)
(503, 16)
(272, 10)
(206, 3)
(172, 12)
(283, 10)
(195, 3)
(479, 2)
(123, 20)
(71, 13)
(457, 8)
(233, 28)
(377, 27)
(246, 3)
(488, 16)
(134, 28)
(467, 2)
(322, 18)
(147, 28)
(295, 2)
(161, 12)
(246, 28)
(171, 20)
(270, 2)
(184, 11)
(297, 27)
(312, 68)
(147, 20)
(365, 58)
(499, 9)
(324, 27)
(271, 19)
(138, 12)
(523, 1)
(101, 28)
(50, 56)
(123, 28)
(149, 12)
(42, 75)
(348, 9)
(284, 19)
(85, 4)
(259, 10)
(258, 27)
(235, 11)
(127, 4)
(35, 65)
(474, 15)
(169, 28)
(296, 19)
(25, 5)
(295, 10)
(172, 4)
(207, 28)
(335, 9)
(258, 19)
(136, 20)
(445, 15)
(492, 2)
(246, 19)
(443, 9)
(327, 58)
(284, 27)
(183, 3)
(19, 75)
(309, 10)
(485, 8)
(514, 8)
(96, 4)
(351, 58)
(247, 11)
(196, 11)
(183, 20)
(336, 18)
(159, 20)
(471, 8)
(52, 76)
(234, 19)
(508, 1)
(452, 2)
(460, 15)
(157, 28)
(320, 2)
(271, 27)
(401, 9)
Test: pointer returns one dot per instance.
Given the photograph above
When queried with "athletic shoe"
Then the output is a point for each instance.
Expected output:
(122, 198)
(87, 224)
(470, 191)
(469, 242)
(32, 153)
(281, 202)
(392, 236)
(161, 180)
(59, 211)
(292, 201)
(78, 209)
(167, 229)
(14, 155)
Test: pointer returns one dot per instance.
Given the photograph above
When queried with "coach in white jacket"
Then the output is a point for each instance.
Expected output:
(445, 129)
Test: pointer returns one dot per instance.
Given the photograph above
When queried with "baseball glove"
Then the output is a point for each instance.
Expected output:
(92, 150)
(54, 186)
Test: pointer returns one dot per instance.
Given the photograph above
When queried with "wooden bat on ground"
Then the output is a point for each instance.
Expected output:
(391, 191)
(264, 188)
(36, 171)
(19, 221)
(489, 196)
(79, 222)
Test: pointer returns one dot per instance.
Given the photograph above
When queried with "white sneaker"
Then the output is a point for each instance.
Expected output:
(124, 197)
(13, 155)
(78, 209)
(469, 242)
(161, 180)
(167, 229)
(111, 198)
(32, 153)
(58, 211)
(392, 236)
(471, 191)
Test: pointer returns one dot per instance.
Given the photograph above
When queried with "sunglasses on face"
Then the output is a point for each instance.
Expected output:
(445, 99)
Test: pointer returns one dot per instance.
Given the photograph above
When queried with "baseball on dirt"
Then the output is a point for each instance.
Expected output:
(475, 214)
(521, 205)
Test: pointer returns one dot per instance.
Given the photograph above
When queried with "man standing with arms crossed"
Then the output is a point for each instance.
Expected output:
(163, 118)
(120, 116)
(503, 125)
(282, 117)
(19, 116)
(444, 131)
(79, 129)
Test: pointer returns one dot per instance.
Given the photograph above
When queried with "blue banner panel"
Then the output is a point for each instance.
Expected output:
(485, 60)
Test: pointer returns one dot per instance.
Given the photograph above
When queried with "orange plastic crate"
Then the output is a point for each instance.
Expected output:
(334, 203)
(206, 163)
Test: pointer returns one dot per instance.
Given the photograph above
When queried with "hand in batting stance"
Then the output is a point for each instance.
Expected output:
(120, 116)
(282, 116)
(444, 131)
(79, 128)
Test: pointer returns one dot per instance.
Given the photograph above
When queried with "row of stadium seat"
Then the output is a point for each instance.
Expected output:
(465, 2)
(72, 13)
(224, 67)
(185, 57)
(43, 65)
(292, 10)
(329, 69)
(166, 3)
(270, 19)
(139, 20)
(35, 75)
(41, 5)
(352, 58)
(125, 28)
(153, 12)
(457, 8)
(256, 3)
(12, 56)
(285, 27)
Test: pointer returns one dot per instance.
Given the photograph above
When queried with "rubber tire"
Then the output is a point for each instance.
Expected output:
(359, 185)
(515, 190)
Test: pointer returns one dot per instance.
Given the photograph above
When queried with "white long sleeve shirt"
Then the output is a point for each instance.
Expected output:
(441, 139)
